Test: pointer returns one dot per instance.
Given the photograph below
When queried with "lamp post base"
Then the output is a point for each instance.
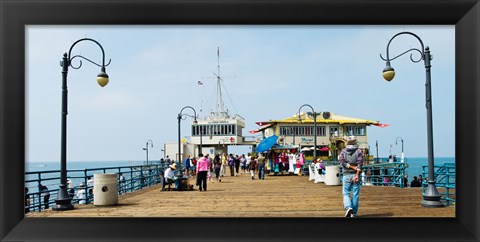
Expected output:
(63, 201)
(431, 197)
(63, 205)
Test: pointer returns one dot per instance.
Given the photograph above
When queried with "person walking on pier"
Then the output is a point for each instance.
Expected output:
(187, 165)
(252, 166)
(237, 165)
(242, 163)
(217, 164)
(224, 164)
(351, 160)
(231, 164)
(202, 169)
(261, 167)
(247, 162)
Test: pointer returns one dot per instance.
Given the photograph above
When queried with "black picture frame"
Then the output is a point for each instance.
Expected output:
(15, 15)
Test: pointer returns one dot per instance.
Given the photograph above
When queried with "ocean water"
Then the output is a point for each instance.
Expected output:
(415, 164)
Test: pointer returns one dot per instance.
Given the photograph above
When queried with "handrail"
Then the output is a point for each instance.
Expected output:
(136, 177)
(444, 176)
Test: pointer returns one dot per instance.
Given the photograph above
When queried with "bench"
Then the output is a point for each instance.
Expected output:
(165, 184)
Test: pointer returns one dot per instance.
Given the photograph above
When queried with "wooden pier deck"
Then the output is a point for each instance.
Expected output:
(276, 196)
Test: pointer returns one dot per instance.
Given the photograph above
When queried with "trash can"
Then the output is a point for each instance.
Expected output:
(105, 189)
(332, 175)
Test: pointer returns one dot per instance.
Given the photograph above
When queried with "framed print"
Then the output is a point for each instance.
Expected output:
(37, 27)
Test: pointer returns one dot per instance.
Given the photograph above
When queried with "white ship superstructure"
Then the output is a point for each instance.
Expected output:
(219, 129)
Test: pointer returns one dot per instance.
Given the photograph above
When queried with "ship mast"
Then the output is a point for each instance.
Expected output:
(219, 105)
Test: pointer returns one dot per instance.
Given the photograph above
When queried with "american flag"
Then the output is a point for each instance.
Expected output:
(200, 83)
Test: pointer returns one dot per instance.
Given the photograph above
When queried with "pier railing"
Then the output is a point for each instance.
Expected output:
(136, 178)
(444, 178)
(381, 174)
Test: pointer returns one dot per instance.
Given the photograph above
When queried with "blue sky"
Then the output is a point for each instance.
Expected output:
(269, 72)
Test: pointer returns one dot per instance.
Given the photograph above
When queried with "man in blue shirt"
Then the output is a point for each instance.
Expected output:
(186, 163)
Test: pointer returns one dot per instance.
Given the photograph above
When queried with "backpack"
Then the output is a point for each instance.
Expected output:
(352, 159)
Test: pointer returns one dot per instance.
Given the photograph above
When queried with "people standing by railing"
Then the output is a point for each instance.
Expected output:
(27, 201)
(415, 182)
(81, 194)
(90, 186)
(46, 195)
(121, 182)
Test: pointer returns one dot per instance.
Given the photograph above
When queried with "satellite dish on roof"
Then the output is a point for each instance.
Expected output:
(326, 115)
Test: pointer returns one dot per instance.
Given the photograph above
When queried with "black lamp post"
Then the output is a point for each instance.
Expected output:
(201, 136)
(431, 196)
(63, 201)
(396, 143)
(391, 155)
(146, 147)
(293, 132)
(179, 118)
(314, 128)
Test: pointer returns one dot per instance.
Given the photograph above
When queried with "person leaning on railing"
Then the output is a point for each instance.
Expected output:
(27, 201)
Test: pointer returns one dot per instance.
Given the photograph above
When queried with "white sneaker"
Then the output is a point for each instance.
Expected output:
(349, 213)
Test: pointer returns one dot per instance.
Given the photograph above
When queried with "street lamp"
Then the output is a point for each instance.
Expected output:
(146, 147)
(179, 117)
(63, 201)
(396, 143)
(314, 128)
(201, 135)
(431, 196)
(391, 155)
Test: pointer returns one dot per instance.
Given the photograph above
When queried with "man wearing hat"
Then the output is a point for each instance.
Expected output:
(170, 175)
(81, 194)
(351, 160)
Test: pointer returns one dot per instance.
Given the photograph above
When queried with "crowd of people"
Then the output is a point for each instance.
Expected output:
(209, 169)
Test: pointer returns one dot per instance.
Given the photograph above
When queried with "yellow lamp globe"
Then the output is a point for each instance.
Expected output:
(388, 73)
(102, 79)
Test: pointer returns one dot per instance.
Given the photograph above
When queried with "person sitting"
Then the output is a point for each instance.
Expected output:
(81, 195)
(320, 167)
(170, 175)
(415, 182)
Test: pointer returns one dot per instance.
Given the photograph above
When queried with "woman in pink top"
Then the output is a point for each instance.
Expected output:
(202, 169)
